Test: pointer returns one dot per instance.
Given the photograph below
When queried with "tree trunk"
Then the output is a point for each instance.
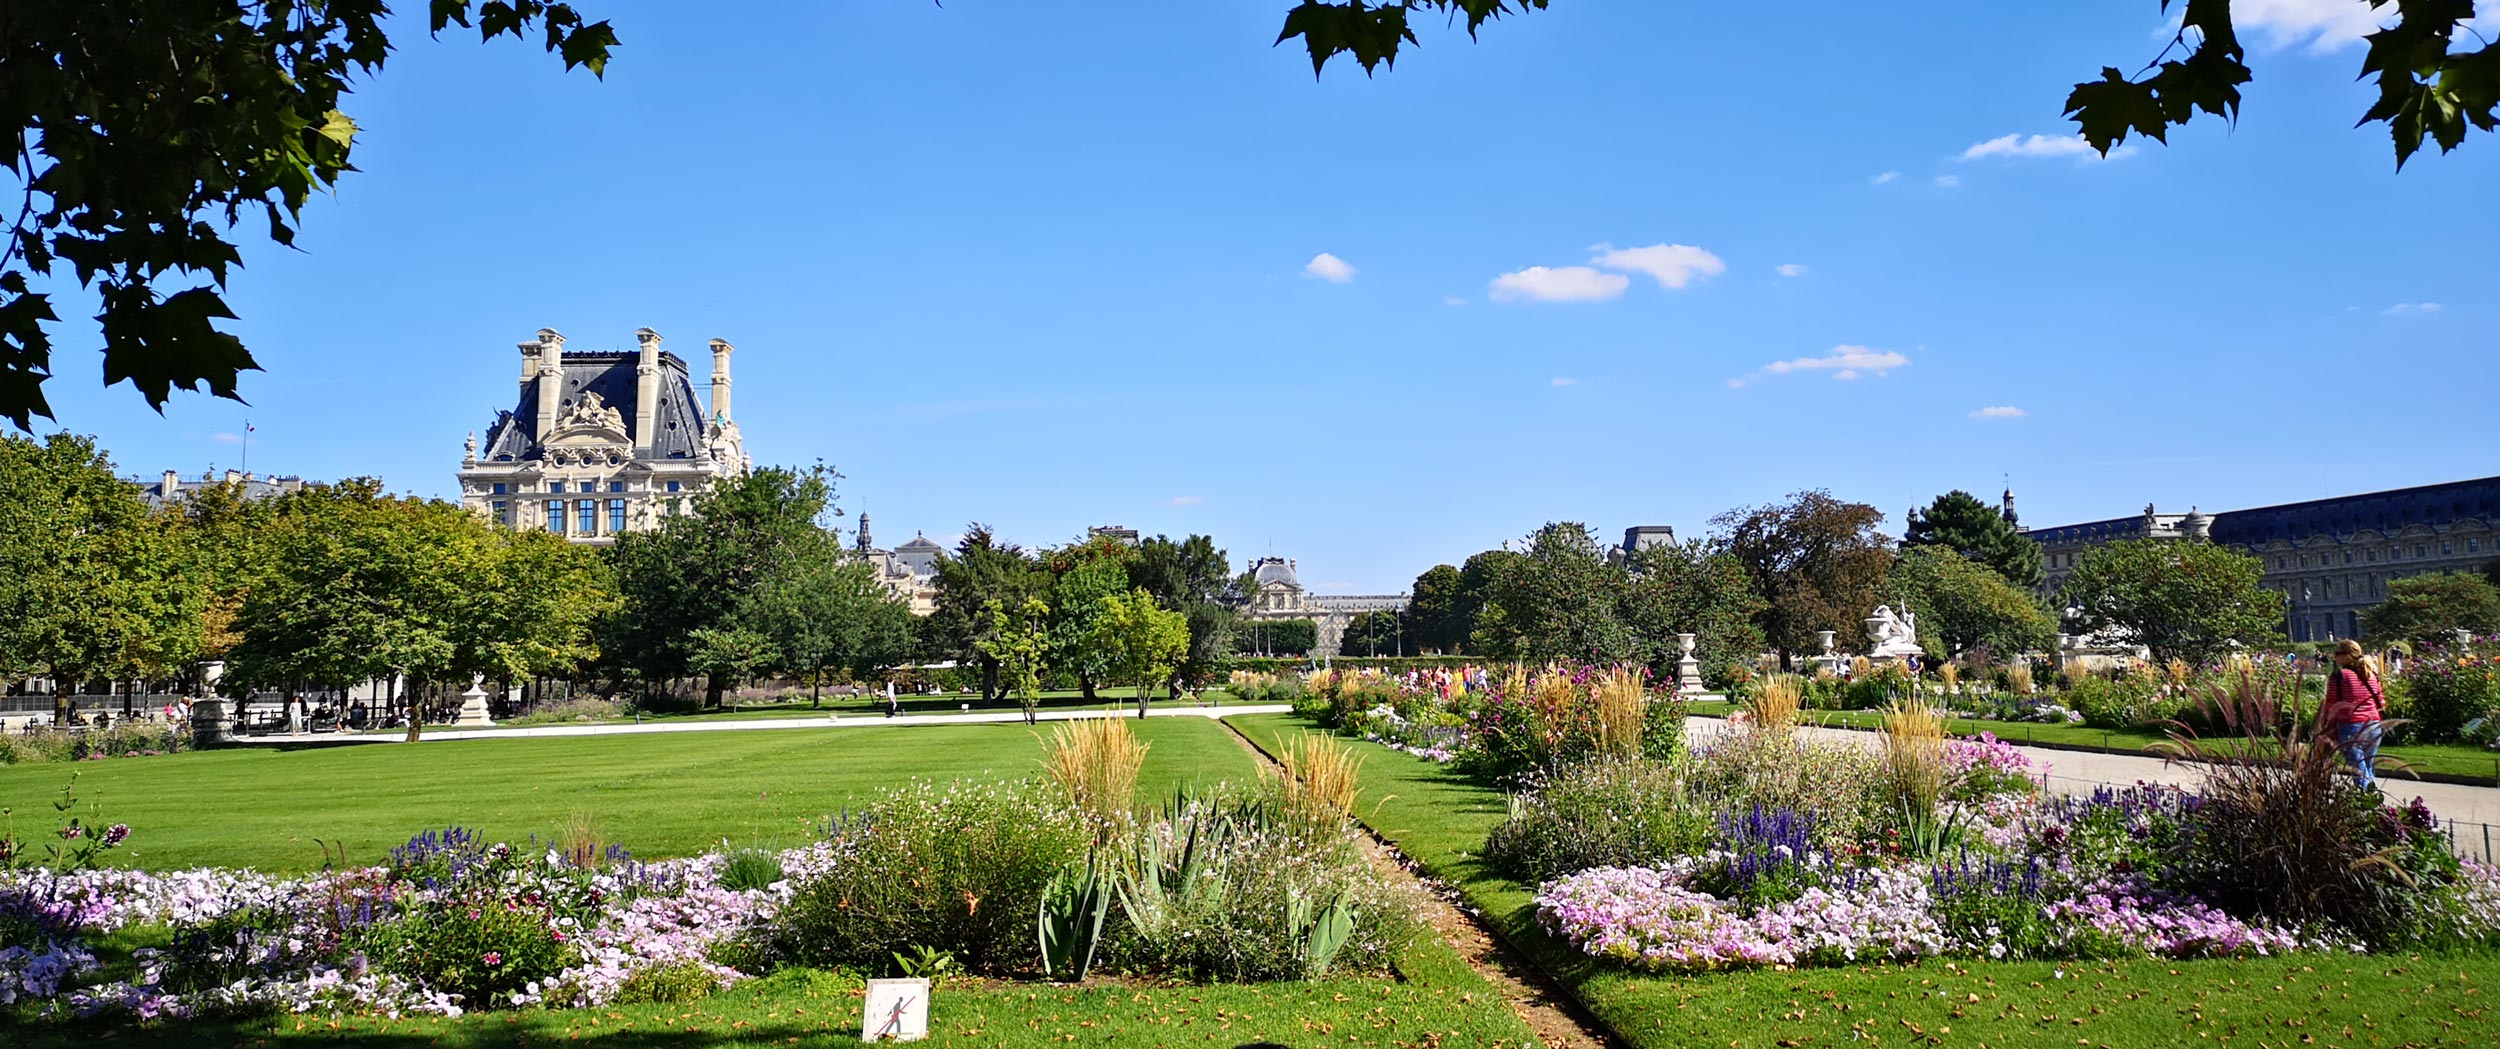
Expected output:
(711, 691)
(416, 712)
(1085, 684)
(1142, 689)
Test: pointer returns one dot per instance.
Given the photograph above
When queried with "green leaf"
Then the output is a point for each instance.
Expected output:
(339, 128)
(2107, 109)
(1371, 34)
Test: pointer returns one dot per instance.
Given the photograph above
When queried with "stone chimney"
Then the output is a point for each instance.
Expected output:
(646, 393)
(235, 476)
(550, 381)
(173, 483)
(720, 379)
(529, 365)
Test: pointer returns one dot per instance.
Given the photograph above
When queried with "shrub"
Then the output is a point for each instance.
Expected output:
(1217, 888)
(1843, 784)
(960, 868)
(576, 709)
(749, 870)
(2448, 695)
(675, 982)
(1875, 689)
(2111, 704)
(1604, 813)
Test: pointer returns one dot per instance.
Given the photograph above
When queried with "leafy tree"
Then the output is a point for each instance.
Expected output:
(729, 654)
(91, 584)
(537, 602)
(364, 586)
(1961, 603)
(1081, 576)
(2184, 599)
(982, 570)
(1818, 564)
(1189, 577)
(2429, 607)
(827, 610)
(1019, 644)
(1958, 521)
(2427, 87)
(1476, 577)
(1143, 641)
(1436, 613)
(1689, 588)
(1374, 633)
(707, 570)
(149, 127)
(1558, 601)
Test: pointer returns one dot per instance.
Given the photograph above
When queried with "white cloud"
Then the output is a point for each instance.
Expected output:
(1999, 411)
(1329, 268)
(1185, 500)
(1453, 300)
(1946, 181)
(2325, 25)
(2407, 309)
(2040, 146)
(1560, 381)
(1845, 362)
(228, 438)
(1886, 177)
(1674, 265)
(1558, 284)
(1789, 269)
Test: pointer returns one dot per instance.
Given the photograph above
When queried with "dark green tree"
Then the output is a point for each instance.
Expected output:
(1277, 637)
(1377, 633)
(705, 570)
(1435, 613)
(1962, 603)
(1959, 522)
(1689, 588)
(1560, 600)
(827, 611)
(2184, 599)
(1191, 577)
(2429, 607)
(981, 570)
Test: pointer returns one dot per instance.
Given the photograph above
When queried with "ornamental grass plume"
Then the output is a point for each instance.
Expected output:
(2074, 672)
(1319, 780)
(581, 844)
(2019, 676)
(1914, 753)
(1860, 666)
(1622, 701)
(2177, 671)
(1773, 707)
(1951, 675)
(1095, 760)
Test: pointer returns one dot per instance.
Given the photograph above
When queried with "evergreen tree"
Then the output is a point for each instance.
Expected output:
(1959, 522)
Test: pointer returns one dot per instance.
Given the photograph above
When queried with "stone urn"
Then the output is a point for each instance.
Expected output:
(209, 726)
(473, 708)
(1687, 669)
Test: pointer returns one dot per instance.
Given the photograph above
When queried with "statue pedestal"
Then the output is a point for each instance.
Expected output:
(1687, 669)
(208, 723)
(473, 709)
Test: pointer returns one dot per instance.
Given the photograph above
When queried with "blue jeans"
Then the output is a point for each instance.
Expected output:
(2359, 744)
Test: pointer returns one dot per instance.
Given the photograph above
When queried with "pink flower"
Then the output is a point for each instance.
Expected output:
(493, 958)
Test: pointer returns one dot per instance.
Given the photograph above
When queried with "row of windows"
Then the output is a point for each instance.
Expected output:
(584, 519)
(557, 487)
(2395, 552)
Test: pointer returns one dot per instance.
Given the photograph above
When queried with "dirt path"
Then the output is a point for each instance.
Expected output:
(1553, 1015)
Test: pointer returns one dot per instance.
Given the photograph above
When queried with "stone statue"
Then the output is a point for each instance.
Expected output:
(1893, 635)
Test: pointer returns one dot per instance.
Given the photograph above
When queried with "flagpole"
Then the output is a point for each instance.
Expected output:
(247, 445)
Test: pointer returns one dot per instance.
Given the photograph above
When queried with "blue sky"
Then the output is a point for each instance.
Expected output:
(1045, 265)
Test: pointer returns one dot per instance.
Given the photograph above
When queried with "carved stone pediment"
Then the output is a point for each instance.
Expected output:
(589, 432)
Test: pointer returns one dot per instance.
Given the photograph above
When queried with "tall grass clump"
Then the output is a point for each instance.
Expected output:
(1951, 675)
(1914, 753)
(1095, 762)
(2018, 677)
(1773, 708)
(1622, 701)
(1318, 784)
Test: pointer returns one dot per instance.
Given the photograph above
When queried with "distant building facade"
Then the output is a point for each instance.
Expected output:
(1276, 593)
(173, 490)
(603, 442)
(2332, 558)
(909, 571)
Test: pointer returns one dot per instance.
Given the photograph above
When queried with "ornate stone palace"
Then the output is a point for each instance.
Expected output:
(2332, 557)
(602, 442)
(1278, 594)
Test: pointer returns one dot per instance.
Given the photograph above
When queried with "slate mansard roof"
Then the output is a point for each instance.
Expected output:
(2436, 506)
(610, 374)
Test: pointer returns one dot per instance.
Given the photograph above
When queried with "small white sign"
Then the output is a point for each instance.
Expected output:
(896, 1010)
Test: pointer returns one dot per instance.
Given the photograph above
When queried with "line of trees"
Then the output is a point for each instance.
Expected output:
(1091, 613)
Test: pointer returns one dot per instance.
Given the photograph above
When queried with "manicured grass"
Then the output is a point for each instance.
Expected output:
(808, 1008)
(660, 794)
(948, 703)
(1441, 818)
(2443, 760)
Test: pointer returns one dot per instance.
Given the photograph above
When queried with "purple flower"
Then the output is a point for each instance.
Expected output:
(115, 834)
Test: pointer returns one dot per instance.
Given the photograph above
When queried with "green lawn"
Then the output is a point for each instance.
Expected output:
(874, 706)
(2444, 760)
(661, 794)
(1441, 818)
(1449, 1006)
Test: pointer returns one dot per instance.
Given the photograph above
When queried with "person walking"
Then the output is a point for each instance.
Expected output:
(2356, 700)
